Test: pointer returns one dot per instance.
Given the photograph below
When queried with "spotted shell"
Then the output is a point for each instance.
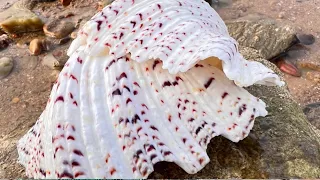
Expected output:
(147, 81)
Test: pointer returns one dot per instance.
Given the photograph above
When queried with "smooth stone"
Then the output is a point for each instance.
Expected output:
(35, 47)
(38, 45)
(58, 28)
(306, 39)
(73, 35)
(6, 65)
(15, 100)
(19, 19)
(52, 62)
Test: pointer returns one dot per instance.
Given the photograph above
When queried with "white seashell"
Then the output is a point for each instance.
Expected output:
(179, 32)
(116, 110)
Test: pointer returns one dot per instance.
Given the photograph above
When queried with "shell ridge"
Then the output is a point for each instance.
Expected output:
(183, 131)
(222, 46)
(165, 128)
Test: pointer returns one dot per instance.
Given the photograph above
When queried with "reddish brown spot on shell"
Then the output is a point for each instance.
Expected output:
(224, 95)
(70, 138)
(153, 128)
(208, 83)
(144, 173)
(122, 75)
(112, 171)
(242, 109)
(128, 100)
(201, 160)
(71, 96)
(74, 78)
(153, 156)
(60, 98)
(139, 129)
(66, 174)
(77, 152)
(77, 174)
(99, 25)
(184, 140)
(75, 163)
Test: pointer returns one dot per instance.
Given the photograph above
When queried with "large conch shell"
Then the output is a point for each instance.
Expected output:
(135, 92)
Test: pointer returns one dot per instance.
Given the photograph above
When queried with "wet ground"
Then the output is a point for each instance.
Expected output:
(24, 93)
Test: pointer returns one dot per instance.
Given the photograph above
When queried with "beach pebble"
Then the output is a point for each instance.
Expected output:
(58, 28)
(4, 41)
(6, 65)
(38, 45)
(15, 100)
(35, 47)
(52, 62)
(65, 2)
(306, 39)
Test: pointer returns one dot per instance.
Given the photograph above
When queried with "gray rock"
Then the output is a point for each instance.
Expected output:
(306, 39)
(266, 35)
(58, 28)
(283, 144)
(312, 112)
(6, 65)
(52, 62)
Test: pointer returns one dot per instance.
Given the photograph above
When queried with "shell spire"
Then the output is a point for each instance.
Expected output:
(147, 81)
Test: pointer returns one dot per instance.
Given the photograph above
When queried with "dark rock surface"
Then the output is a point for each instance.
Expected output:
(312, 112)
(266, 35)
